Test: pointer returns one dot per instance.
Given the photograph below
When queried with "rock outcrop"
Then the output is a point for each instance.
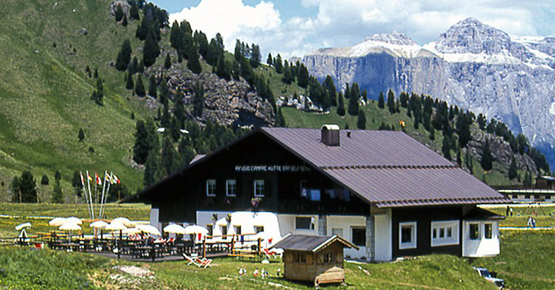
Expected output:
(472, 65)
(225, 102)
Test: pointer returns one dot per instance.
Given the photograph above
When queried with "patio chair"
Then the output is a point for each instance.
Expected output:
(193, 259)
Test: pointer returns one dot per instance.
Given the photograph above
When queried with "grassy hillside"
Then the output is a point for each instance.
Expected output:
(45, 91)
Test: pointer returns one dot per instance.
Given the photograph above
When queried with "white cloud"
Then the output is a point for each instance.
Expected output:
(348, 22)
(232, 19)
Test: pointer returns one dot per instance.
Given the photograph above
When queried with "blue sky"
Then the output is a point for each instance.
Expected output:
(297, 27)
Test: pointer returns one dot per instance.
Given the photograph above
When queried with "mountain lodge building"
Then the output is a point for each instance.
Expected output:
(383, 191)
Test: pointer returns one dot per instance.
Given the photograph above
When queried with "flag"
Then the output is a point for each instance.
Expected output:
(89, 177)
(115, 179)
(82, 180)
(107, 177)
(98, 180)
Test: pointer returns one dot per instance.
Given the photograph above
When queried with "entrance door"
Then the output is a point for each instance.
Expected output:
(382, 237)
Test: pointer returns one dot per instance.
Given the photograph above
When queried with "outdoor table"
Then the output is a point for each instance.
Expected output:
(71, 246)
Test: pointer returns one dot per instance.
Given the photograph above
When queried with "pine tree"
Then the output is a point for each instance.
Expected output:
(361, 121)
(57, 196)
(140, 87)
(513, 169)
(44, 180)
(270, 60)
(134, 11)
(487, 158)
(391, 102)
(381, 101)
(168, 62)
(222, 70)
(119, 13)
(353, 108)
(302, 78)
(193, 63)
(432, 133)
(151, 169)
(129, 84)
(76, 183)
(141, 147)
(152, 87)
(340, 105)
(527, 179)
(255, 56)
(81, 134)
(278, 64)
(151, 50)
(446, 148)
(28, 187)
(124, 56)
(169, 159)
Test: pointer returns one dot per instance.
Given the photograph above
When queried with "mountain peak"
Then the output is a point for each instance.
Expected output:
(472, 36)
(395, 37)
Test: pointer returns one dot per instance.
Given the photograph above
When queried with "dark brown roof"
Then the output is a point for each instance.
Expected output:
(310, 243)
(363, 148)
(387, 168)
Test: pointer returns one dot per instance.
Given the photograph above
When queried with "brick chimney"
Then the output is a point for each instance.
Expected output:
(330, 135)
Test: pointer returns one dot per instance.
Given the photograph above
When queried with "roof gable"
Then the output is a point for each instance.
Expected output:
(310, 243)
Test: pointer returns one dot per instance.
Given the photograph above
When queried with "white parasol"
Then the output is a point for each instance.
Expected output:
(195, 230)
(115, 227)
(56, 222)
(149, 230)
(98, 224)
(123, 220)
(174, 229)
(69, 226)
(22, 226)
(74, 220)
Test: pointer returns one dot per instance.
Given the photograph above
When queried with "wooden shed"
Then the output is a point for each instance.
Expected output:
(314, 258)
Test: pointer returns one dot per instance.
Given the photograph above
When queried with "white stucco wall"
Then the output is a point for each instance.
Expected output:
(346, 223)
(480, 247)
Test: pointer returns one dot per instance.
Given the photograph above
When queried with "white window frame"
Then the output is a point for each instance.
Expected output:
(227, 184)
(258, 181)
(210, 182)
(493, 236)
(438, 226)
(410, 245)
(480, 231)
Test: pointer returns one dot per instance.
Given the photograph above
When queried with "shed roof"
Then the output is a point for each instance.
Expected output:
(310, 243)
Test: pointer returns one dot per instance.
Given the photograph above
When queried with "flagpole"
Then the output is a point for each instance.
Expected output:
(85, 190)
(90, 194)
(102, 203)
(108, 189)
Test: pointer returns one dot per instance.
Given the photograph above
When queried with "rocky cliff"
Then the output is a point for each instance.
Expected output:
(472, 65)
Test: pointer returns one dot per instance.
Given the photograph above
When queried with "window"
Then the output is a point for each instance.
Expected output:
(488, 232)
(300, 258)
(211, 187)
(231, 187)
(359, 236)
(210, 228)
(258, 229)
(407, 235)
(527, 196)
(474, 231)
(224, 230)
(445, 233)
(328, 258)
(237, 230)
(259, 188)
(304, 223)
